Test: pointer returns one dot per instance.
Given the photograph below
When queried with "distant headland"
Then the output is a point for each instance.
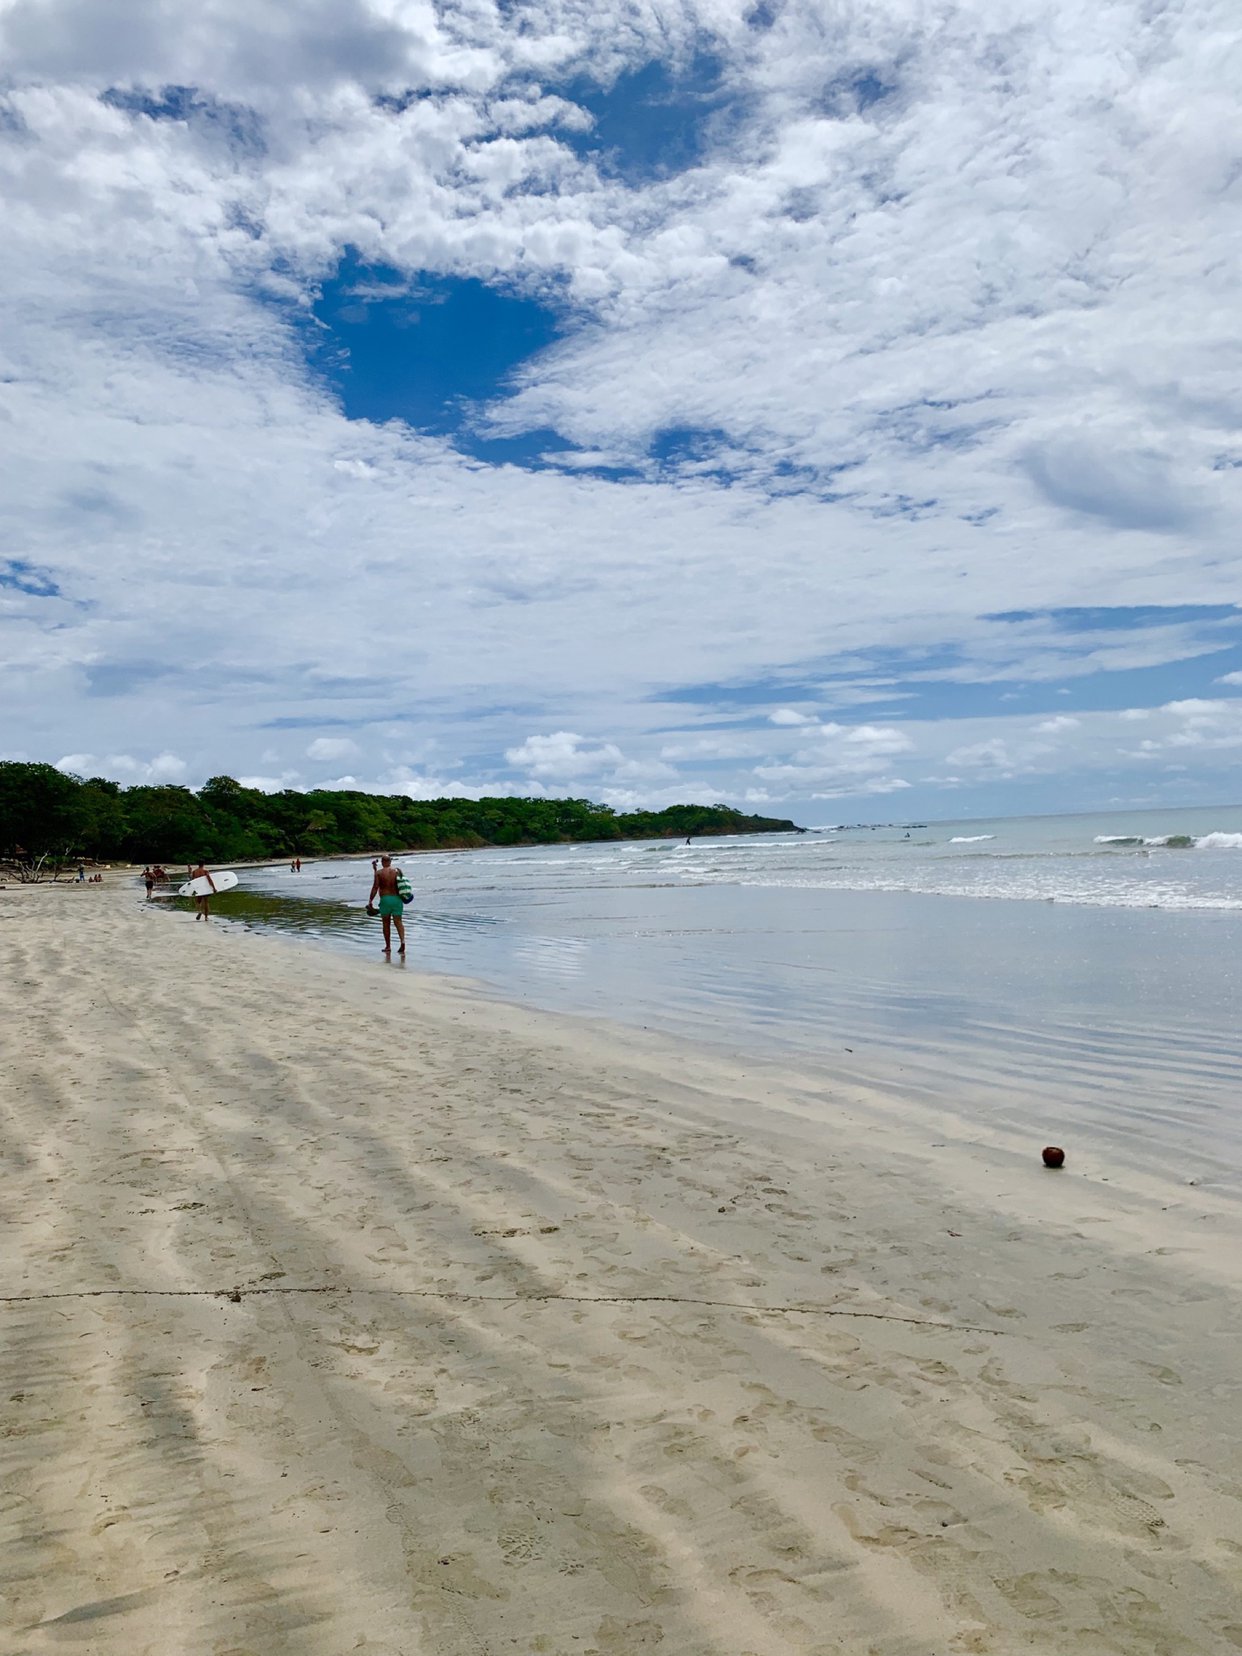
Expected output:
(45, 812)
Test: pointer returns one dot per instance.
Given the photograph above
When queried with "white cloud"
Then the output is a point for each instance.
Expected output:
(1230, 678)
(564, 756)
(785, 765)
(332, 747)
(993, 754)
(713, 747)
(1054, 726)
(167, 767)
(907, 327)
(833, 761)
(1209, 725)
(428, 785)
(1131, 489)
(879, 739)
(163, 768)
(877, 785)
(269, 783)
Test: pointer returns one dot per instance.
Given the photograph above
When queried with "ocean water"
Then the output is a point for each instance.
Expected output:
(1056, 975)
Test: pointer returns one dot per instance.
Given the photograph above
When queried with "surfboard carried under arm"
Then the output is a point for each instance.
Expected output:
(225, 880)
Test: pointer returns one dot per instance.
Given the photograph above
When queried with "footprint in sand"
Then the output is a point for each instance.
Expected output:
(1029, 1597)
(664, 1502)
(518, 1546)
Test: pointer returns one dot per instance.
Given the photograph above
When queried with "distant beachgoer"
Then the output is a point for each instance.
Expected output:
(148, 880)
(384, 886)
(297, 865)
(202, 905)
(81, 875)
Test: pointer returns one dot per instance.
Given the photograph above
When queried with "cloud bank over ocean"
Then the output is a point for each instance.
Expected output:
(760, 403)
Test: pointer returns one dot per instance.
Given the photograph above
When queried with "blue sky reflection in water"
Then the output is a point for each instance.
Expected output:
(1058, 974)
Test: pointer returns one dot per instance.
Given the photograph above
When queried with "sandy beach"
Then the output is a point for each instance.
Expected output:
(346, 1311)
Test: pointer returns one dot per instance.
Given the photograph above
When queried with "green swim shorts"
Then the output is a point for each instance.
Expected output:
(391, 906)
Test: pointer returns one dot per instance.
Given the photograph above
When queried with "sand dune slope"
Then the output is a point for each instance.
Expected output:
(343, 1313)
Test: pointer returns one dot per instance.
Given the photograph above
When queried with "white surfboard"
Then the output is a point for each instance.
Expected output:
(225, 880)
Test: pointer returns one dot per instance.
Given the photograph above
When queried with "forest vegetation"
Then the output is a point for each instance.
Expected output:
(45, 812)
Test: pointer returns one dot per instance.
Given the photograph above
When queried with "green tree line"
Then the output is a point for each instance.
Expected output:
(44, 811)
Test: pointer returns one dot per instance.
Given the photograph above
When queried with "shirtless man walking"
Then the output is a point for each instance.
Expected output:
(384, 886)
(202, 905)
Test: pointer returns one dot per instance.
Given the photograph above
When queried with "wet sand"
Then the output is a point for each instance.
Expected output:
(344, 1311)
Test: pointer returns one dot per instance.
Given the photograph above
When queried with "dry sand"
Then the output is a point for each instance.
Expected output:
(347, 1312)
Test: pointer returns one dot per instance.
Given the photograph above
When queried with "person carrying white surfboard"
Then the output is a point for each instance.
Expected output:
(202, 904)
(387, 887)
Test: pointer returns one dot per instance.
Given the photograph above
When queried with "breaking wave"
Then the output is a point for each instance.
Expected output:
(970, 839)
(1176, 842)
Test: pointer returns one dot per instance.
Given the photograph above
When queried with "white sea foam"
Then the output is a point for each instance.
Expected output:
(1034, 887)
(970, 839)
(1176, 842)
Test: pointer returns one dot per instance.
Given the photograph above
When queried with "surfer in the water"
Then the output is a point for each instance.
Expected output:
(202, 905)
(384, 886)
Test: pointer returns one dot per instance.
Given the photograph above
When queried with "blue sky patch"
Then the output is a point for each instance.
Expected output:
(942, 682)
(169, 103)
(19, 576)
(429, 350)
(312, 721)
(766, 692)
(926, 425)
(762, 15)
(239, 127)
(677, 444)
(532, 450)
(855, 93)
(869, 88)
(651, 122)
(1122, 617)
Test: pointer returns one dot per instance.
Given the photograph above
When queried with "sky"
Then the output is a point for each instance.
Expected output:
(830, 409)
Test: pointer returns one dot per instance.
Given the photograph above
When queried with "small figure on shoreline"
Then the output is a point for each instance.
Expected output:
(384, 886)
(202, 905)
(148, 880)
